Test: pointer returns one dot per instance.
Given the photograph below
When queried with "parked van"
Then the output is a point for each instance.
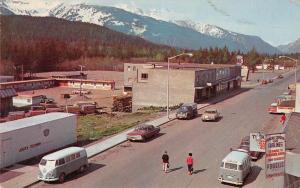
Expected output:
(235, 167)
(187, 111)
(56, 166)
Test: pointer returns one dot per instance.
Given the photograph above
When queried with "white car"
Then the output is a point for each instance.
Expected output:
(210, 115)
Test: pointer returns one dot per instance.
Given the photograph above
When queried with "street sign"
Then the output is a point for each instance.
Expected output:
(275, 155)
(257, 142)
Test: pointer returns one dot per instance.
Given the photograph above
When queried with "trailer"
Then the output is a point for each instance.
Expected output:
(30, 137)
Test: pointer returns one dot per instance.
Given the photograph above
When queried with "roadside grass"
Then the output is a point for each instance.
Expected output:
(94, 127)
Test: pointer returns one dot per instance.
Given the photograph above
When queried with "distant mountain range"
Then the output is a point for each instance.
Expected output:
(292, 47)
(182, 34)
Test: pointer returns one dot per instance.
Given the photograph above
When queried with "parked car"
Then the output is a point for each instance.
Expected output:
(245, 145)
(235, 167)
(187, 111)
(210, 115)
(56, 166)
(143, 132)
(280, 76)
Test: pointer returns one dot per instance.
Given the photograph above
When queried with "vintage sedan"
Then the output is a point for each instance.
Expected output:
(143, 132)
(245, 145)
(210, 115)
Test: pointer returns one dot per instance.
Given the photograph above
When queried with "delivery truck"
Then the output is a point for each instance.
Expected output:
(30, 137)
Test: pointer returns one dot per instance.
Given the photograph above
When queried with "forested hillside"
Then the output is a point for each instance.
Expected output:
(43, 43)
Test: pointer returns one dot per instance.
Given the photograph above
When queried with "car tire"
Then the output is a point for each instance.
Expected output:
(62, 177)
(82, 169)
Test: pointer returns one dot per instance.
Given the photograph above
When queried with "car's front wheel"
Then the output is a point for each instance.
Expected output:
(62, 177)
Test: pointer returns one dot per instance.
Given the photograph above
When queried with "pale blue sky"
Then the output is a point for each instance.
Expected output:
(275, 21)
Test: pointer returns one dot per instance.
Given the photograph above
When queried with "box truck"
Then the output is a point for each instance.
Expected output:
(30, 137)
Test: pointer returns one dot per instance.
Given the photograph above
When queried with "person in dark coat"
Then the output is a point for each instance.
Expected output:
(165, 160)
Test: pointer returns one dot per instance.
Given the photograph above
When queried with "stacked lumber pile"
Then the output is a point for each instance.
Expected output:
(122, 103)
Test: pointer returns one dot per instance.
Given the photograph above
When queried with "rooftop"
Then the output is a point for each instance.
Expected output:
(235, 156)
(32, 121)
(62, 153)
(164, 65)
(292, 131)
(5, 93)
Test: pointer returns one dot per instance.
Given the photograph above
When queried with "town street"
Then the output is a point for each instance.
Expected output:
(139, 164)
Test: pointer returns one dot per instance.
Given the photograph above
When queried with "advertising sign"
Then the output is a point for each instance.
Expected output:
(275, 155)
(257, 142)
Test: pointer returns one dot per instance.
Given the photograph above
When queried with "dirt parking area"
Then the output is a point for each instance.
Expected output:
(102, 97)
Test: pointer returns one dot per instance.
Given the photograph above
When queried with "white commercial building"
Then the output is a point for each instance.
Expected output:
(29, 137)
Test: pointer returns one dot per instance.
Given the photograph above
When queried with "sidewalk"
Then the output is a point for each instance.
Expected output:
(30, 177)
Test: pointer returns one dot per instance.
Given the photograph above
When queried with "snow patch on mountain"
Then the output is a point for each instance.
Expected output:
(29, 7)
(206, 29)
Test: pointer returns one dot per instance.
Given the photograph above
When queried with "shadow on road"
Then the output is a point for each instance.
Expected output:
(174, 169)
(255, 170)
(154, 137)
(92, 167)
(198, 171)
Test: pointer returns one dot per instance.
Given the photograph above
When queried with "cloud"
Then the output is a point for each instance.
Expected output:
(297, 2)
(246, 22)
(213, 5)
(224, 13)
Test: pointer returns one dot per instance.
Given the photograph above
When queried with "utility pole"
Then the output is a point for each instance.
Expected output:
(80, 90)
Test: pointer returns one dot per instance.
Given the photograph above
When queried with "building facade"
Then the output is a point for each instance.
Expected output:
(187, 82)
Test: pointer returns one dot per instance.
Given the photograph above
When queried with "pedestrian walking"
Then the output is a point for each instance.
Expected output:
(165, 160)
(190, 163)
(282, 119)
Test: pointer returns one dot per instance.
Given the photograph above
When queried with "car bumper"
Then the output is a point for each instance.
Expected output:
(47, 179)
(231, 182)
(135, 138)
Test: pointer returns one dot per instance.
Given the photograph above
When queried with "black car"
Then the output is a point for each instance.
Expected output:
(187, 111)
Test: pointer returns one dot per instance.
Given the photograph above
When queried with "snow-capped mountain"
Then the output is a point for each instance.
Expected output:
(292, 47)
(26, 7)
(181, 34)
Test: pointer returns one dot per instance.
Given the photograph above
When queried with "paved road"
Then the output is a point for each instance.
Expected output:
(139, 165)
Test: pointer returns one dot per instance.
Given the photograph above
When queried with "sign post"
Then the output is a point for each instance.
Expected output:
(257, 142)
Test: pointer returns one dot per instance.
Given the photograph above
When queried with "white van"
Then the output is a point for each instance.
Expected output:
(235, 167)
(57, 165)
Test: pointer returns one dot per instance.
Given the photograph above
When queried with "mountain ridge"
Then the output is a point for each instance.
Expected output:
(151, 29)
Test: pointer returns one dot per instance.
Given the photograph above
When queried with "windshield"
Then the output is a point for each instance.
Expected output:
(48, 163)
(183, 108)
(210, 112)
(231, 166)
(43, 162)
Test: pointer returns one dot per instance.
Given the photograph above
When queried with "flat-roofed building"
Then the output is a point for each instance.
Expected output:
(292, 163)
(187, 82)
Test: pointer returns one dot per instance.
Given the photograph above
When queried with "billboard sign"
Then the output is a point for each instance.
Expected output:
(275, 155)
(257, 142)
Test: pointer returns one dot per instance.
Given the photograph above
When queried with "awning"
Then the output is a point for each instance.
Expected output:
(9, 92)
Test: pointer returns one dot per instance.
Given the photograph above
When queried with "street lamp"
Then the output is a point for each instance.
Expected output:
(296, 63)
(168, 82)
